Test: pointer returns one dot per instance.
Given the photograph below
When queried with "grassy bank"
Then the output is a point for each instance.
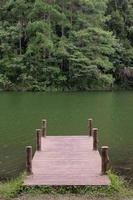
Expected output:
(118, 189)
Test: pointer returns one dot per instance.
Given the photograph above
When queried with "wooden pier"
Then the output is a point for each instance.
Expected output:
(67, 160)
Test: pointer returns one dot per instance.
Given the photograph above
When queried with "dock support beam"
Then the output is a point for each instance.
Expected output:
(38, 139)
(105, 159)
(95, 138)
(29, 159)
(44, 127)
(90, 126)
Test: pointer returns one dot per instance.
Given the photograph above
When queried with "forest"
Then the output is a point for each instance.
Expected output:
(66, 45)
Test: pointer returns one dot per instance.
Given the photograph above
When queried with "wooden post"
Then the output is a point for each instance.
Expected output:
(29, 159)
(38, 139)
(95, 139)
(44, 127)
(105, 159)
(90, 125)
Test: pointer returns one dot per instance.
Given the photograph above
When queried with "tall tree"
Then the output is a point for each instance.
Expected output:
(68, 44)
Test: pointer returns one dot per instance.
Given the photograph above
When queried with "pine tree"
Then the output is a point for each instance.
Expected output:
(121, 23)
(64, 44)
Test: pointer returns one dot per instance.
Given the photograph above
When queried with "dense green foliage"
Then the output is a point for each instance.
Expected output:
(65, 44)
(121, 23)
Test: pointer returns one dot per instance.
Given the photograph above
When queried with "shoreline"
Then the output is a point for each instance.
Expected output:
(65, 89)
(68, 91)
(14, 189)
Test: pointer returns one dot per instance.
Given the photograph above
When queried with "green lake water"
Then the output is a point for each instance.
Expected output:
(67, 114)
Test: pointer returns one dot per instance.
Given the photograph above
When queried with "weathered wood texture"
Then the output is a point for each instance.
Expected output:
(67, 160)
(90, 126)
(38, 139)
(44, 127)
(105, 159)
(29, 159)
(95, 139)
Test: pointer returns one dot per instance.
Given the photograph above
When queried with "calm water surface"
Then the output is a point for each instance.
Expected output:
(67, 114)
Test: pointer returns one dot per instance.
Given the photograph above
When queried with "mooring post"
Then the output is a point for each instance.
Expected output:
(95, 138)
(38, 139)
(105, 159)
(29, 159)
(44, 127)
(90, 126)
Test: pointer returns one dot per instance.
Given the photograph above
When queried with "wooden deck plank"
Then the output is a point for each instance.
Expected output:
(67, 160)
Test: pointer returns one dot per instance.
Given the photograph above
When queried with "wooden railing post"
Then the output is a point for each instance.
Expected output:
(44, 127)
(105, 159)
(29, 159)
(95, 138)
(90, 126)
(38, 139)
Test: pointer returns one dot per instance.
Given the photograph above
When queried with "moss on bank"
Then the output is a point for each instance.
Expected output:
(118, 189)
